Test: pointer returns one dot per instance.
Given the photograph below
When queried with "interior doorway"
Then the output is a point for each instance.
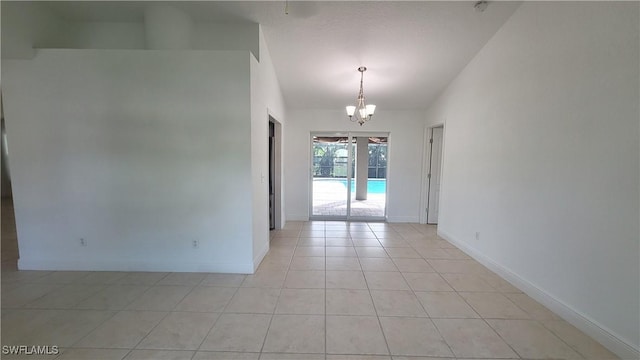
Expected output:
(275, 174)
(349, 176)
(433, 176)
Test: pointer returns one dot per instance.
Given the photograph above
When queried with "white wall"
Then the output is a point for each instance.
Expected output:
(213, 36)
(275, 106)
(405, 157)
(266, 99)
(137, 152)
(26, 25)
(102, 35)
(131, 35)
(259, 167)
(542, 158)
(167, 28)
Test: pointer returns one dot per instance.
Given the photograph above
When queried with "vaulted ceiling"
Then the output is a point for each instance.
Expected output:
(412, 49)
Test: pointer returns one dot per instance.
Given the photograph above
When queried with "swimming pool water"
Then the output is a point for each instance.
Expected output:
(374, 186)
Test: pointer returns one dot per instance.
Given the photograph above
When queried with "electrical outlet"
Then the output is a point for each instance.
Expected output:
(477, 235)
(195, 244)
(83, 242)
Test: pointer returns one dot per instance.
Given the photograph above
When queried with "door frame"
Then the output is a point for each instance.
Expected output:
(426, 165)
(277, 186)
(349, 135)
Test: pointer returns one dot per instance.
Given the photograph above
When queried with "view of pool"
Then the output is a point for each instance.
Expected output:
(374, 186)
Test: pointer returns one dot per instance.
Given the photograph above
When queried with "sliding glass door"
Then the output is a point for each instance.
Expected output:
(348, 176)
(330, 176)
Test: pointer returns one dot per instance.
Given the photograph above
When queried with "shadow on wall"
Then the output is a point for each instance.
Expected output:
(6, 178)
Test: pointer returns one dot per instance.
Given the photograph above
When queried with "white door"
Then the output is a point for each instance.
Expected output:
(434, 175)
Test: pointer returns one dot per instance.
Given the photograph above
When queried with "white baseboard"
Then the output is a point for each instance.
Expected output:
(403, 219)
(217, 267)
(257, 259)
(600, 333)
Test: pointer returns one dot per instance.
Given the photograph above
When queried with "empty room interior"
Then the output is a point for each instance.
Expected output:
(320, 180)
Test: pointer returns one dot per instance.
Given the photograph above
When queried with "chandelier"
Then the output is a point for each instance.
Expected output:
(361, 112)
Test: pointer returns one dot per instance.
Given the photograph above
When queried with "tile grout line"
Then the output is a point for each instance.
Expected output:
(375, 309)
(115, 312)
(169, 312)
(217, 319)
(425, 310)
(561, 339)
(275, 306)
(475, 311)
(325, 292)
(539, 321)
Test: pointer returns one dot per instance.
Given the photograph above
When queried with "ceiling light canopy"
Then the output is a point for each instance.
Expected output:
(361, 112)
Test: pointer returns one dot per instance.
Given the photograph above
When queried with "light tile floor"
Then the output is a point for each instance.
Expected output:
(325, 291)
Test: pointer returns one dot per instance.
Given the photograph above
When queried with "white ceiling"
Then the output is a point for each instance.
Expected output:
(412, 49)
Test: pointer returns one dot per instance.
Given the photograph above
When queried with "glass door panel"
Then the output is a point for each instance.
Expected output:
(330, 173)
(369, 185)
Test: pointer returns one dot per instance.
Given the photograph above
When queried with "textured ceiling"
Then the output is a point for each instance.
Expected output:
(412, 49)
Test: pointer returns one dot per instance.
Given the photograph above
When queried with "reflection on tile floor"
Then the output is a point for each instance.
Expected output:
(385, 291)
